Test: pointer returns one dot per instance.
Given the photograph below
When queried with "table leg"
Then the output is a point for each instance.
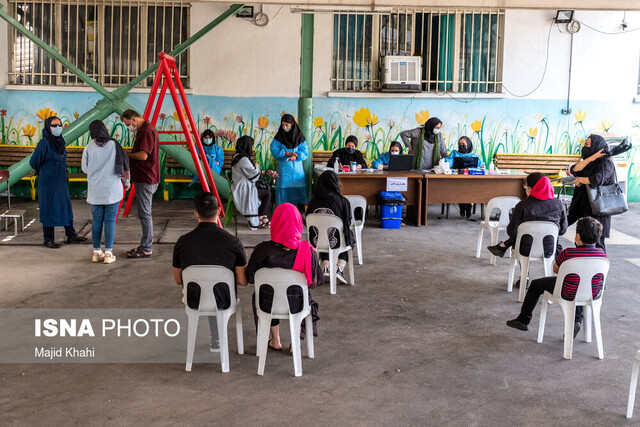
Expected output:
(419, 202)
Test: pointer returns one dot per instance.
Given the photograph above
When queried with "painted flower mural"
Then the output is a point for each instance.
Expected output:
(364, 118)
(318, 121)
(422, 117)
(45, 113)
(476, 126)
(263, 122)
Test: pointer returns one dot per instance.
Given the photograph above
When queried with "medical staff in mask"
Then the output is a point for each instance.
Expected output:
(395, 149)
(350, 153)
(426, 143)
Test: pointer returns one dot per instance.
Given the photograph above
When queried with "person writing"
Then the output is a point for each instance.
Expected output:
(382, 162)
(426, 143)
(344, 156)
(289, 148)
(465, 149)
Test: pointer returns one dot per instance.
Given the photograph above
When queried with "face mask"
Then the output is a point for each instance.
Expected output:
(395, 153)
(132, 128)
(462, 148)
(437, 131)
(207, 141)
(350, 150)
(286, 128)
(586, 152)
(56, 131)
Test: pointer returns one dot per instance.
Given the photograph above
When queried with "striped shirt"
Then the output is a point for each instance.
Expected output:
(571, 281)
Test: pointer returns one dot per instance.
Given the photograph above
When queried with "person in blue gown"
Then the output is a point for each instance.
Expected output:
(289, 148)
(49, 161)
(394, 149)
(215, 155)
(465, 149)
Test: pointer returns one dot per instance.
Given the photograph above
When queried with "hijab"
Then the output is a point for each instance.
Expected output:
(542, 190)
(597, 143)
(286, 229)
(469, 148)
(428, 135)
(244, 148)
(328, 194)
(100, 135)
(57, 143)
(290, 139)
(328, 186)
(395, 144)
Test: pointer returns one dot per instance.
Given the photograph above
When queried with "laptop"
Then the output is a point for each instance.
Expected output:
(465, 162)
(401, 162)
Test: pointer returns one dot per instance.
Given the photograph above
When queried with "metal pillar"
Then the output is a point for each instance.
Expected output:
(113, 102)
(305, 102)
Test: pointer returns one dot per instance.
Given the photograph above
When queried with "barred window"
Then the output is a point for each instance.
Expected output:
(461, 50)
(110, 41)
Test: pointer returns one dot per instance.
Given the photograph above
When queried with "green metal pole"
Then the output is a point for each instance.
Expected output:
(305, 102)
(56, 55)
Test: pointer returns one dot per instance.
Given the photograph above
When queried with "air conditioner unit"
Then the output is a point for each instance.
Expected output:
(401, 74)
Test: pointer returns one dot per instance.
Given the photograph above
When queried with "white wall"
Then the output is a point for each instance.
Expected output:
(4, 45)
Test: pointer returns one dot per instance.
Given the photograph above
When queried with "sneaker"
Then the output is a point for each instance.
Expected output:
(497, 250)
(109, 258)
(97, 256)
(76, 239)
(326, 271)
(576, 329)
(516, 324)
(214, 346)
(52, 245)
(340, 275)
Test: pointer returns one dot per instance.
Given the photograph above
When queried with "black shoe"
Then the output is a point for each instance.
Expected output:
(576, 329)
(517, 284)
(516, 324)
(340, 275)
(76, 239)
(52, 245)
(497, 250)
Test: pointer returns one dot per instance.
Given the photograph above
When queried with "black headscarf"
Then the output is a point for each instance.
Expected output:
(294, 137)
(597, 143)
(56, 142)
(429, 126)
(244, 148)
(208, 133)
(469, 148)
(328, 186)
(328, 195)
(395, 144)
(100, 136)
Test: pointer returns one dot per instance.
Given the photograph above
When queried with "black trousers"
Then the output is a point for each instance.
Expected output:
(264, 194)
(342, 255)
(49, 232)
(536, 289)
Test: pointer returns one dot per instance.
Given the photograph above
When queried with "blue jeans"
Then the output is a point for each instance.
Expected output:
(104, 214)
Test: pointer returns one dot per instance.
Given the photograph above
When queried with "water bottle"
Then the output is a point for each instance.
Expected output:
(336, 166)
(491, 168)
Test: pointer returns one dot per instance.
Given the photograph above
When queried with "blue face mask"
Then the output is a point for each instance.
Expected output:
(56, 131)
(207, 141)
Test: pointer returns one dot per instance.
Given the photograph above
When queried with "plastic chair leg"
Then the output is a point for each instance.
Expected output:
(524, 275)
(494, 241)
(332, 273)
(239, 335)
(223, 320)
(512, 272)
(598, 327)
(359, 244)
(352, 278)
(569, 311)
(191, 338)
(543, 318)
(479, 245)
(294, 326)
(309, 337)
(586, 322)
(263, 328)
(632, 387)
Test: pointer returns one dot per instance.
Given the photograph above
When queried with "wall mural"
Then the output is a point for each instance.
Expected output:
(494, 125)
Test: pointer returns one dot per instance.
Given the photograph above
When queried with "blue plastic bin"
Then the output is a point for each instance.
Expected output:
(391, 203)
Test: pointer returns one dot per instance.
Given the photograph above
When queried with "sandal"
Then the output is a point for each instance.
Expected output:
(137, 253)
(264, 223)
(272, 347)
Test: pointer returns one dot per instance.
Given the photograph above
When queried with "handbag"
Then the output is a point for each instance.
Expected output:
(262, 184)
(606, 200)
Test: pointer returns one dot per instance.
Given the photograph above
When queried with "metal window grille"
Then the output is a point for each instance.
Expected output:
(111, 41)
(461, 49)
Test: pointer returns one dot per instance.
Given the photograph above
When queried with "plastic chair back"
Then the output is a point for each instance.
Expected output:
(281, 280)
(359, 206)
(503, 205)
(586, 268)
(323, 223)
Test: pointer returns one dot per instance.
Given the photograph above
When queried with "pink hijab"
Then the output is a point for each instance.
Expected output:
(543, 190)
(286, 229)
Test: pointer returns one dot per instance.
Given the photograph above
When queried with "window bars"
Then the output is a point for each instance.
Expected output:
(111, 41)
(461, 49)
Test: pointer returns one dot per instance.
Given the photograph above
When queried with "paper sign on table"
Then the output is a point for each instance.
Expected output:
(397, 184)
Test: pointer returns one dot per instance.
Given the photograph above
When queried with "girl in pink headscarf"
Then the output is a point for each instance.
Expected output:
(285, 250)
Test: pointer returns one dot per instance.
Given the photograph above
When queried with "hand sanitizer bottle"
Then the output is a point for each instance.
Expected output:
(491, 168)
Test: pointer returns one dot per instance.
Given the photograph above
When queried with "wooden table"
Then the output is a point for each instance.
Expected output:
(370, 183)
(471, 188)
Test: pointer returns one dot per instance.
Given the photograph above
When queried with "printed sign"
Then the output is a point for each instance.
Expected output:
(397, 184)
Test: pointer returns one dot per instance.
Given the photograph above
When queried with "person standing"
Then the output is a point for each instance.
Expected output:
(289, 148)
(107, 168)
(426, 144)
(49, 161)
(145, 175)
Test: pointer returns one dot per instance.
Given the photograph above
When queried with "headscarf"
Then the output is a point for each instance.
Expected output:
(597, 143)
(469, 145)
(294, 137)
(209, 133)
(57, 143)
(351, 138)
(286, 229)
(100, 136)
(328, 192)
(395, 144)
(542, 190)
(244, 148)
(428, 135)
(328, 186)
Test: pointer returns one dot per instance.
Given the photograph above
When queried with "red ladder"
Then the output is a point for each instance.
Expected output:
(168, 73)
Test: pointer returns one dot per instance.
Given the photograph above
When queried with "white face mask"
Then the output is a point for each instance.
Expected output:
(437, 131)
(132, 128)
(207, 141)
(395, 153)
(56, 131)
(286, 128)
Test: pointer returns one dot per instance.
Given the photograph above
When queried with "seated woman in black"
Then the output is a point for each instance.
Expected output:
(344, 156)
(285, 250)
(328, 199)
(540, 205)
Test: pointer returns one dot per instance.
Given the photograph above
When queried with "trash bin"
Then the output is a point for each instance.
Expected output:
(391, 203)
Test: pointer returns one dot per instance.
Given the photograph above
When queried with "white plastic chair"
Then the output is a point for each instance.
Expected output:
(207, 276)
(634, 383)
(357, 202)
(322, 223)
(586, 268)
(280, 280)
(503, 205)
(537, 230)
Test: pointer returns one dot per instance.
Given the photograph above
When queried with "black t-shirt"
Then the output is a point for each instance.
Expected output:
(345, 158)
(270, 254)
(208, 244)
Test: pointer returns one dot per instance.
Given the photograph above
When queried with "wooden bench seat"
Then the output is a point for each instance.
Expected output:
(544, 163)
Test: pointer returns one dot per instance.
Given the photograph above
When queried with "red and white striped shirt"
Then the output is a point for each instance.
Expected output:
(571, 281)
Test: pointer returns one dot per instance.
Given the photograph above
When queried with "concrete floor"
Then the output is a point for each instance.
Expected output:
(420, 340)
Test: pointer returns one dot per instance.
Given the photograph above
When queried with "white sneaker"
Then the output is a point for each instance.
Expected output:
(340, 275)
(214, 346)
(97, 256)
(326, 272)
(109, 258)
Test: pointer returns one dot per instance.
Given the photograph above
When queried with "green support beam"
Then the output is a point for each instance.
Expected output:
(113, 102)
(305, 102)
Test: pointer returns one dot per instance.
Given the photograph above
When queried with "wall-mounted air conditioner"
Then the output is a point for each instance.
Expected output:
(401, 74)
